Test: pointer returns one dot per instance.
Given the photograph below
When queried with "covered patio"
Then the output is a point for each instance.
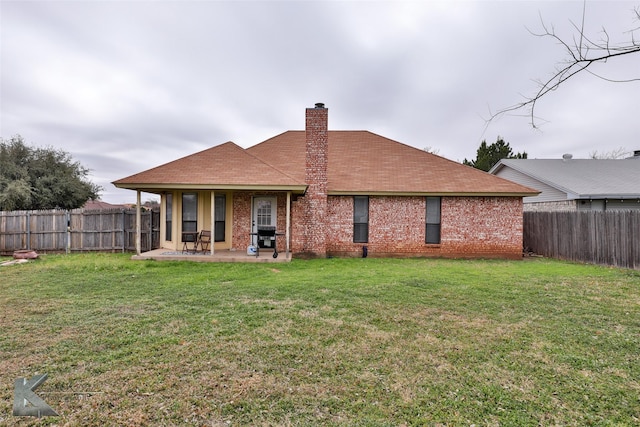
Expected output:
(242, 221)
(264, 255)
(237, 208)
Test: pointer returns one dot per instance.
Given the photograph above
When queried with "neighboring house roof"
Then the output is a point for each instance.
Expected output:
(359, 162)
(577, 178)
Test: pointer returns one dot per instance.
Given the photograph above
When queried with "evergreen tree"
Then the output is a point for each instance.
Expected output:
(489, 155)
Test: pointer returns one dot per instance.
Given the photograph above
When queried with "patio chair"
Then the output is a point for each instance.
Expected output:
(204, 240)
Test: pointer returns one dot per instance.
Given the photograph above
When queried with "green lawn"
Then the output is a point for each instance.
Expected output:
(323, 342)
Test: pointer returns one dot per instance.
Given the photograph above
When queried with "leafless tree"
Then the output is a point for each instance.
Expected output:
(618, 153)
(582, 52)
(432, 150)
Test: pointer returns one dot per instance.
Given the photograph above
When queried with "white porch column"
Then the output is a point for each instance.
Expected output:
(213, 222)
(138, 223)
(286, 232)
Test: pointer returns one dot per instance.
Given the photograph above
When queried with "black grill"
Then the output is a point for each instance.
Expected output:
(267, 237)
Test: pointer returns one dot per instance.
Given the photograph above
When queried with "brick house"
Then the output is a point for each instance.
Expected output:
(333, 193)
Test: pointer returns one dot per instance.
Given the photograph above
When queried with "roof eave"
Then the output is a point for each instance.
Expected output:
(495, 168)
(607, 196)
(430, 193)
(157, 188)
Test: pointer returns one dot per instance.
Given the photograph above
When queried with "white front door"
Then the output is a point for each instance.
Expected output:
(264, 218)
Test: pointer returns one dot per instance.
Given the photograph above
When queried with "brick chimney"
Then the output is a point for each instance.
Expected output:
(317, 157)
(317, 148)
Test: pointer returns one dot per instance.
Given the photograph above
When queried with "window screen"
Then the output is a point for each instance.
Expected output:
(168, 220)
(220, 217)
(432, 234)
(361, 219)
(189, 213)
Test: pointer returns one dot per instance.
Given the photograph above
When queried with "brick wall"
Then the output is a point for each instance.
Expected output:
(299, 224)
(482, 227)
(396, 226)
(470, 227)
(241, 221)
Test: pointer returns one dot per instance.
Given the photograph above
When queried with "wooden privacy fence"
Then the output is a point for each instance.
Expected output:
(108, 230)
(606, 238)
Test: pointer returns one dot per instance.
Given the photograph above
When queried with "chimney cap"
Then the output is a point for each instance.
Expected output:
(319, 105)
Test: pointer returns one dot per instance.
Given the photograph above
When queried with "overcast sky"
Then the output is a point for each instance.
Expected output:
(124, 86)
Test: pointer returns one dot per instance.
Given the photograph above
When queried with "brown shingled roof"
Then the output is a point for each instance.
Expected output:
(223, 166)
(360, 162)
(363, 162)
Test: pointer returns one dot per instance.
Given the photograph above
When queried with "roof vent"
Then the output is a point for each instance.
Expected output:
(567, 156)
(319, 105)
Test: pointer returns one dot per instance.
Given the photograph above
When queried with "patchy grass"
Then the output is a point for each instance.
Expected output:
(322, 342)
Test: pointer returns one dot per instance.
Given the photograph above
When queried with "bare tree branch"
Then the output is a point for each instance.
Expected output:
(618, 153)
(582, 53)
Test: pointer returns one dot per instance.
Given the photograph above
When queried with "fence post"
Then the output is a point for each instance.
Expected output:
(150, 238)
(28, 230)
(68, 217)
(124, 231)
